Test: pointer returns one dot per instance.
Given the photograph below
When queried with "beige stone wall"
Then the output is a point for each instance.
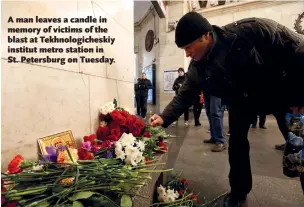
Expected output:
(43, 99)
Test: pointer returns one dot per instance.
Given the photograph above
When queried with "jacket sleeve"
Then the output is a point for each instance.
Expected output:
(149, 84)
(174, 87)
(182, 101)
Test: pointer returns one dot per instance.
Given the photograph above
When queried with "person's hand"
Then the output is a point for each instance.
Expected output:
(180, 85)
(155, 121)
(297, 110)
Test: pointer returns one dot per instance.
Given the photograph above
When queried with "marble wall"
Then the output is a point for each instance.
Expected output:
(46, 98)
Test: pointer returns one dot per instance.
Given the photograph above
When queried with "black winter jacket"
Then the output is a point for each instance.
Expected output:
(254, 60)
(178, 81)
(144, 85)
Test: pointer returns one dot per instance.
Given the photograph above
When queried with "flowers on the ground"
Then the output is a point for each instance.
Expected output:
(129, 150)
(176, 193)
(166, 195)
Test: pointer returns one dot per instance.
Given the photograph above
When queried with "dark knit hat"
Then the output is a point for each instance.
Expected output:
(191, 27)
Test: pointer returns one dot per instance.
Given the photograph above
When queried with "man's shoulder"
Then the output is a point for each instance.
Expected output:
(192, 72)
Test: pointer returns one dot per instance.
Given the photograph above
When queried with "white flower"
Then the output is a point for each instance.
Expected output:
(118, 146)
(127, 139)
(169, 199)
(141, 145)
(130, 150)
(172, 193)
(130, 161)
(37, 168)
(107, 108)
(103, 124)
(162, 198)
(161, 190)
(120, 154)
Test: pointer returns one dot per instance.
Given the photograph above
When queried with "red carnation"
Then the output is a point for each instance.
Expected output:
(117, 116)
(112, 137)
(85, 155)
(114, 125)
(140, 124)
(194, 197)
(14, 165)
(115, 132)
(91, 138)
(130, 121)
(123, 130)
(148, 161)
(96, 148)
(181, 192)
(135, 132)
(147, 134)
(124, 113)
(184, 181)
(106, 144)
(102, 132)
(163, 146)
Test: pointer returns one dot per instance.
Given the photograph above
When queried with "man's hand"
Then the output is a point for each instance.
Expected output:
(156, 121)
(297, 110)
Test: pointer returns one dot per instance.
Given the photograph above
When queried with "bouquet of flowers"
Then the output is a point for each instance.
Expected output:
(114, 122)
(102, 171)
(176, 193)
(107, 182)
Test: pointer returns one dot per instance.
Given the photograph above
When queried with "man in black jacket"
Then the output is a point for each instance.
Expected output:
(137, 96)
(243, 63)
(176, 86)
(144, 85)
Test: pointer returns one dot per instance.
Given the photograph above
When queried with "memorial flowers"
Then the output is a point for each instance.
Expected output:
(176, 193)
(114, 122)
(130, 150)
(102, 170)
(77, 183)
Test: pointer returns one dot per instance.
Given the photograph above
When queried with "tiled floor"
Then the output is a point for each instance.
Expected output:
(208, 171)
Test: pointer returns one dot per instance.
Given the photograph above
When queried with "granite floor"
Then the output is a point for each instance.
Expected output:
(208, 171)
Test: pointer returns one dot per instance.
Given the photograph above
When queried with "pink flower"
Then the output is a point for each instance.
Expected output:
(86, 146)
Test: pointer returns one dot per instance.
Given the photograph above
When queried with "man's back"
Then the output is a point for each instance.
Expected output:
(256, 62)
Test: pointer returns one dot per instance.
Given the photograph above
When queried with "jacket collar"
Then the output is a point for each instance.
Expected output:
(223, 43)
(222, 46)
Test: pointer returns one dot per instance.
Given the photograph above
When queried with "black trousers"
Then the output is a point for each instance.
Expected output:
(197, 109)
(240, 176)
(137, 98)
(262, 120)
(143, 105)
